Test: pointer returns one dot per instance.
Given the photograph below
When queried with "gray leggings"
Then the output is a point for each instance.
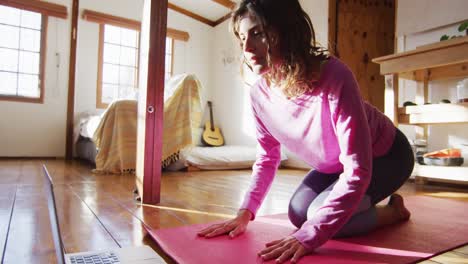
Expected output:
(389, 172)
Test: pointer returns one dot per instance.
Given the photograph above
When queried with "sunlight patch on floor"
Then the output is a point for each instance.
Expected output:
(188, 211)
(448, 195)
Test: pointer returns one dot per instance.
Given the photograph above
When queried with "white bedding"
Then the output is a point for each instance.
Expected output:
(89, 126)
(86, 124)
(217, 158)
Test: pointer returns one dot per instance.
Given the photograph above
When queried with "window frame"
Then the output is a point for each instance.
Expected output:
(42, 62)
(99, 103)
(172, 57)
(102, 18)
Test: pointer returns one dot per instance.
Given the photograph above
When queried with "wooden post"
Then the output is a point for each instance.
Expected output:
(71, 81)
(391, 97)
(423, 95)
(151, 101)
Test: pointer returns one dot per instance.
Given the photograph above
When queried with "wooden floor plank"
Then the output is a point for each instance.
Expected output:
(429, 261)
(463, 250)
(7, 199)
(9, 171)
(29, 237)
(81, 229)
(118, 218)
(451, 258)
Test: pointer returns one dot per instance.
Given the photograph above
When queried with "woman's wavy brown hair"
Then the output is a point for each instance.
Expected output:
(296, 39)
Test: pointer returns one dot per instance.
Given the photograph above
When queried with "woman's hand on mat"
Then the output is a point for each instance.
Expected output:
(283, 250)
(233, 227)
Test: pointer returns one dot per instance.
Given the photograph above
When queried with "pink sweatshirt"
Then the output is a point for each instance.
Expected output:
(332, 129)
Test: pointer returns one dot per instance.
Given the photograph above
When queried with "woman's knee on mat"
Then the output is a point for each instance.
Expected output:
(299, 204)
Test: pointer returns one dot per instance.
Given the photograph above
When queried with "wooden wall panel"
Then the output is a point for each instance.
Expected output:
(365, 30)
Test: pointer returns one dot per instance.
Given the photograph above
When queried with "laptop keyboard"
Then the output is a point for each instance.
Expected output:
(101, 258)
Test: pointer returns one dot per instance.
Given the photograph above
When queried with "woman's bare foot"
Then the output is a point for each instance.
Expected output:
(397, 203)
(393, 212)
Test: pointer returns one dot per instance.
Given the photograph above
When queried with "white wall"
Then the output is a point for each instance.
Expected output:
(318, 13)
(420, 15)
(28, 129)
(230, 94)
(439, 20)
(194, 56)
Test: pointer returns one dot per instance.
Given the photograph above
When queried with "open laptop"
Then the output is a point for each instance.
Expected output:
(134, 255)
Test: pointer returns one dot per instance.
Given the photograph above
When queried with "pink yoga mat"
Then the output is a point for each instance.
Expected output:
(436, 225)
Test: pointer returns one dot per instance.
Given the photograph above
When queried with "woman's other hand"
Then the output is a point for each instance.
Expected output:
(283, 250)
(233, 227)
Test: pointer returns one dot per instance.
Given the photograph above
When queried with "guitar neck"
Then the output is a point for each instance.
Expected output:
(211, 116)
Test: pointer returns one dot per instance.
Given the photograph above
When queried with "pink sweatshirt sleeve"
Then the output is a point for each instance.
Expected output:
(264, 168)
(352, 129)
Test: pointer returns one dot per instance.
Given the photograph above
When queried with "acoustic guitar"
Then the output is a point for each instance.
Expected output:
(212, 135)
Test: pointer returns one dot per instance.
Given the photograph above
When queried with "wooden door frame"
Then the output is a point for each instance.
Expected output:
(71, 81)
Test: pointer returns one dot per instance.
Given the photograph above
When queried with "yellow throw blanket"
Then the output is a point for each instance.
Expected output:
(182, 118)
(115, 136)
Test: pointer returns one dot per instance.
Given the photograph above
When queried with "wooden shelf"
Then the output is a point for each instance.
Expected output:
(433, 114)
(437, 61)
(455, 173)
(458, 70)
(449, 52)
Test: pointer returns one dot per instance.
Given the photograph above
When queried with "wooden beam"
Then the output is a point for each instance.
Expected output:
(177, 34)
(438, 73)
(191, 14)
(226, 3)
(224, 18)
(434, 113)
(102, 18)
(71, 81)
(391, 97)
(45, 8)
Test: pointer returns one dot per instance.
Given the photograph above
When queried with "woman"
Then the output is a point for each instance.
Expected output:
(310, 103)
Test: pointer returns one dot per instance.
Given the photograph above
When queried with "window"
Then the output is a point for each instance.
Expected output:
(118, 67)
(118, 73)
(22, 52)
(169, 58)
(119, 55)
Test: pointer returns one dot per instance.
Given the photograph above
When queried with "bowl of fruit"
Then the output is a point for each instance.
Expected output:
(445, 157)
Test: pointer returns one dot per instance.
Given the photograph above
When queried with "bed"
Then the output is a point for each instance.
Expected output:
(108, 140)
(85, 126)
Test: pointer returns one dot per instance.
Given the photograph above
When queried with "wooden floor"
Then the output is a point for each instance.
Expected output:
(99, 211)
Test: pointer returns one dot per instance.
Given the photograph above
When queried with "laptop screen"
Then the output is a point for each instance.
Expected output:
(54, 223)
